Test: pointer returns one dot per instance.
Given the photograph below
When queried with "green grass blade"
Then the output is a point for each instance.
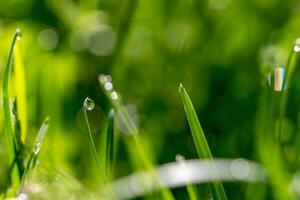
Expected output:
(20, 89)
(8, 117)
(34, 153)
(88, 105)
(199, 138)
(110, 143)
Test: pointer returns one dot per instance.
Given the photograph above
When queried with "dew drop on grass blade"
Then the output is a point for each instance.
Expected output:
(34, 153)
(89, 105)
(199, 138)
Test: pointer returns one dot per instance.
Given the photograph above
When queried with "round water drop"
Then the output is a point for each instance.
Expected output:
(104, 78)
(114, 95)
(18, 34)
(108, 85)
(89, 104)
(297, 48)
(275, 79)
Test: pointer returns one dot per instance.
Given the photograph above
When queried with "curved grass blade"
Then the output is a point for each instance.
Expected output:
(20, 89)
(13, 142)
(199, 138)
(34, 153)
(140, 152)
(89, 104)
(194, 171)
(110, 144)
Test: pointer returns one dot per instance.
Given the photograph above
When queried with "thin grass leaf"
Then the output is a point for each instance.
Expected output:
(124, 116)
(8, 116)
(88, 105)
(110, 144)
(20, 90)
(34, 153)
(199, 138)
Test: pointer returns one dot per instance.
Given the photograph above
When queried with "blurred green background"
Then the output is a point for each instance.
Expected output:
(214, 47)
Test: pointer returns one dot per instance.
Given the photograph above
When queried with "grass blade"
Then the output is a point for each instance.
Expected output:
(8, 116)
(34, 153)
(110, 143)
(20, 89)
(88, 105)
(199, 138)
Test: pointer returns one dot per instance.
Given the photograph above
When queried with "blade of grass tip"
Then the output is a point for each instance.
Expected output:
(107, 86)
(192, 191)
(199, 138)
(20, 87)
(34, 153)
(89, 105)
(111, 144)
(8, 118)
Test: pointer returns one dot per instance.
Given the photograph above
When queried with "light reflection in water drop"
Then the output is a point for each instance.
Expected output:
(108, 85)
(89, 104)
(275, 79)
(114, 95)
(19, 34)
(297, 48)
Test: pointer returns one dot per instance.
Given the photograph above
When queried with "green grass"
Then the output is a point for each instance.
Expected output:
(268, 144)
(199, 139)
(10, 130)
(35, 151)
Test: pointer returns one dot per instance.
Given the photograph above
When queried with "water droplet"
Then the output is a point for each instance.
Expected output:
(23, 196)
(114, 95)
(18, 34)
(297, 48)
(108, 85)
(275, 79)
(89, 104)
(37, 147)
(104, 78)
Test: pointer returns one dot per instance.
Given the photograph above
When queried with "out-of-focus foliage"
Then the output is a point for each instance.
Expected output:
(219, 49)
